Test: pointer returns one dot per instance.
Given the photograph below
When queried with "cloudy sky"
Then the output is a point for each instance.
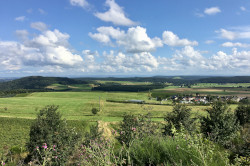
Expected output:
(124, 37)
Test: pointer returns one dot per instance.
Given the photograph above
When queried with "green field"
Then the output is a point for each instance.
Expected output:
(17, 113)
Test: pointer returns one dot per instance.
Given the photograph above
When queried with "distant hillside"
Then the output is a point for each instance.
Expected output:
(37, 82)
(236, 79)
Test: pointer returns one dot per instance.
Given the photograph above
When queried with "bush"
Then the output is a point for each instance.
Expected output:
(220, 124)
(94, 111)
(49, 129)
(94, 134)
(135, 127)
(243, 114)
(180, 116)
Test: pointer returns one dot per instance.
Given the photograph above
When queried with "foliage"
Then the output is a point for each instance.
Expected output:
(182, 149)
(94, 111)
(37, 82)
(94, 134)
(135, 127)
(127, 88)
(180, 116)
(50, 129)
(99, 152)
(243, 114)
(220, 124)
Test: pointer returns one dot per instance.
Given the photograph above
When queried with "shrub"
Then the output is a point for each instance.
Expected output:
(94, 111)
(94, 134)
(50, 129)
(220, 124)
(180, 116)
(135, 127)
(243, 114)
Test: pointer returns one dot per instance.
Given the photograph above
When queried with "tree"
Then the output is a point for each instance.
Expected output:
(180, 116)
(49, 129)
(220, 124)
(243, 114)
(94, 111)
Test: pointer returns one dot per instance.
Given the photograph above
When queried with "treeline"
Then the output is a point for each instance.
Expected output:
(12, 93)
(237, 79)
(37, 82)
(183, 80)
(127, 88)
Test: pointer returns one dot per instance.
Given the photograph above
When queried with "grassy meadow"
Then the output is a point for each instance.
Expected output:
(17, 113)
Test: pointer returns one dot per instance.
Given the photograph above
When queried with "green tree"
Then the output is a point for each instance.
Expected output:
(220, 124)
(49, 129)
(243, 114)
(94, 111)
(180, 116)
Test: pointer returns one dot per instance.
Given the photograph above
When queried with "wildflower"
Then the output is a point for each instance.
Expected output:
(3, 164)
(45, 146)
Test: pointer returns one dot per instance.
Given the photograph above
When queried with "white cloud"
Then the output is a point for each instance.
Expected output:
(209, 41)
(20, 18)
(212, 10)
(41, 11)
(171, 39)
(22, 34)
(39, 26)
(126, 63)
(81, 3)
(242, 8)
(237, 44)
(115, 14)
(134, 40)
(235, 33)
(47, 49)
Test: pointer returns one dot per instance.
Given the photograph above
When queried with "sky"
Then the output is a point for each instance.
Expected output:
(76, 38)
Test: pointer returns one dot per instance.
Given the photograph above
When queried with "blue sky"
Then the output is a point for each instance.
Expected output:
(124, 37)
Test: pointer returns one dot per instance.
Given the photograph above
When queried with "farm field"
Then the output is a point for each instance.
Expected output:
(17, 113)
(78, 105)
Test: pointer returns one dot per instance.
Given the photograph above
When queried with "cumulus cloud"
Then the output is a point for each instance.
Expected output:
(171, 39)
(237, 44)
(20, 18)
(115, 14)
(134, 40)
(212, 10)
(236, 60)
(80, 3)
(126, 63)
(47, 49)
(39, 26)
(235, 33)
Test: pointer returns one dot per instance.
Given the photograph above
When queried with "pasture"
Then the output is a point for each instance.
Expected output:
(78, 105)
(17, 113)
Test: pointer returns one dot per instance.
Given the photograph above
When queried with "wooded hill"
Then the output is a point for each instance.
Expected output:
(37, 82)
